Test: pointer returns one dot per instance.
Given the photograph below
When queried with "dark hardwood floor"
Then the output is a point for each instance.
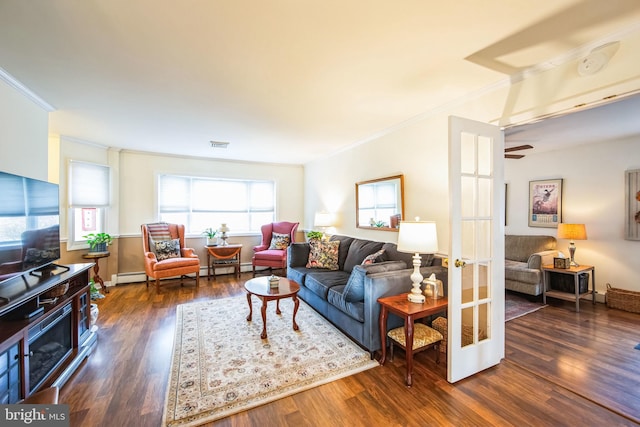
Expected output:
(561, 369)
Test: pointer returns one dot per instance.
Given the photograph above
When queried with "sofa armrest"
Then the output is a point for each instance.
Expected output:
(538, 259)
(298, 254)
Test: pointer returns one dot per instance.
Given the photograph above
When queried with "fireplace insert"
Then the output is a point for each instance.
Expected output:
(49, 345)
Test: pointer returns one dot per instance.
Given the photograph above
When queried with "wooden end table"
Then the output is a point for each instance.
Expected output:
(575, 271)
(409, 311)
(223, 256)
(96, 256)
(260, 287)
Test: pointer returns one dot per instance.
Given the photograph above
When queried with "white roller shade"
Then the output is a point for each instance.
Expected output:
(89, 185)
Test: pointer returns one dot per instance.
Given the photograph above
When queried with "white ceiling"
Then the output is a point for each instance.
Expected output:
(281, 80)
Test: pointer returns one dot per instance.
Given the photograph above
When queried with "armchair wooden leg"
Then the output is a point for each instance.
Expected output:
(147, 279)
(157, 285)
(197, 279)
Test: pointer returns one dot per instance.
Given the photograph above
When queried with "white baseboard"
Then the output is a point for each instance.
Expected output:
(139, 276)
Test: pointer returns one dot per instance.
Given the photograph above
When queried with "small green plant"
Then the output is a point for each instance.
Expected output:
(314, 235)
(379, 224)
(95, 239)
(210, 233)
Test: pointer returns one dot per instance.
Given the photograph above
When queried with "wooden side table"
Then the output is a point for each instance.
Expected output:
(409, 311)
(575, 271)
(97, 256)
(224, 256)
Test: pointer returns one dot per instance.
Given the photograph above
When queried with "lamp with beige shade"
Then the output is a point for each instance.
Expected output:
(572, 232)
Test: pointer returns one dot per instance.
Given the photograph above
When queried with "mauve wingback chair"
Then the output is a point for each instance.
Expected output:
(274, 256)
(179, 264)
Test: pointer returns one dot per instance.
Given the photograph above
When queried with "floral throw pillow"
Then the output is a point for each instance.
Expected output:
(279, 241)
(323, 254)
(370, 259)
(166, 249)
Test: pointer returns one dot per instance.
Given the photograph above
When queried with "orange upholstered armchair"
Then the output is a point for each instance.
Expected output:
(272, 252)
(163, 257)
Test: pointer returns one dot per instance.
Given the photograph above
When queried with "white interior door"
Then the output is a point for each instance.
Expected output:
(476, 258)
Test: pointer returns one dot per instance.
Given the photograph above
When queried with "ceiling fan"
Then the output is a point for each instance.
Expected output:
(517, 148)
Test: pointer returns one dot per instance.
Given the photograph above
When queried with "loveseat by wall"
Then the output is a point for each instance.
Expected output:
(524, 258)
(348, 296)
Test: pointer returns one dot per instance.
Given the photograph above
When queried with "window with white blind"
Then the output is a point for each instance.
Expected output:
(89, 198)
(200, 203)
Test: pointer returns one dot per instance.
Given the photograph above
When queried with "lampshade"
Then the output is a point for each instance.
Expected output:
(323, 219)
(572, 231)
(418, 237)
(223, 228)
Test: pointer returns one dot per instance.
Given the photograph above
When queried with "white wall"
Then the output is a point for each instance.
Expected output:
(138, 180)
(23, 134)
(592, 193)
(419, 150)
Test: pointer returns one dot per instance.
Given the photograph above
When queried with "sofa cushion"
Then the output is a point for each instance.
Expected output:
(323, 254)
(358, 251)
(298, 254)
(355, 310)
(520, 272)
(391, 253)
(345, 243)
(354, 290)
(519, 248)
(319, 282)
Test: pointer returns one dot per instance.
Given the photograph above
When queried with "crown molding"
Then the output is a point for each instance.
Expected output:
(17, 85)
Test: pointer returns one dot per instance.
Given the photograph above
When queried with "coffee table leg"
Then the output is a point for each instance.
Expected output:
(278, 307)
(263, 310)
(250, 307)
(296, 304)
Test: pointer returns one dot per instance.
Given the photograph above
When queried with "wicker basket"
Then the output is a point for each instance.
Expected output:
(623, 299)
(57, 291)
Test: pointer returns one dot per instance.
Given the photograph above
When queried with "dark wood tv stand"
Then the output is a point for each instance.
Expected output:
(42, 344)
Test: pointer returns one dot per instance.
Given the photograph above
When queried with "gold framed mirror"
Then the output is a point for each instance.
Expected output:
(380, 203)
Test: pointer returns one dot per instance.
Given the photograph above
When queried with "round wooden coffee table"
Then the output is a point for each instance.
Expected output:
(260, 287)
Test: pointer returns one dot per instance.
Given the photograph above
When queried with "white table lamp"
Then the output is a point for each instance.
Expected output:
(224, 229)
(572, 232)
(417, 237)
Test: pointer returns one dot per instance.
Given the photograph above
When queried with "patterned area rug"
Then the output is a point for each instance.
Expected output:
(220, 366)
(516, 306)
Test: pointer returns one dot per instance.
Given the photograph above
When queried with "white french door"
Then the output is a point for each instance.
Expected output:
(476, 248)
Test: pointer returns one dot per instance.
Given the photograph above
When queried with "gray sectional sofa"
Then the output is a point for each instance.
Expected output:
(524, 258)
(347, 297)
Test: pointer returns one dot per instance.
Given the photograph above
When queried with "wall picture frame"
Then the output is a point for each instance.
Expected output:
(632, 196)
(545, 203)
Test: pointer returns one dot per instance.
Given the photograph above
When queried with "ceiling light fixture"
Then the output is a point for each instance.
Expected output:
(597, 59)
(218, 144)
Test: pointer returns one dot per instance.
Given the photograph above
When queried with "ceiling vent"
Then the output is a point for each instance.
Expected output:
(218, 144)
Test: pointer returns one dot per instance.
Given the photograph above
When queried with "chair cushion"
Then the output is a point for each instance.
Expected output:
(167, 249)
(270, 255)
(279, 241)
(171, 263)
(323, 254)
(422, 336)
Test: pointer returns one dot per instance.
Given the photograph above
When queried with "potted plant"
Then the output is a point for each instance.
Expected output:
(315, 235)
(98, 242)
(211, 234)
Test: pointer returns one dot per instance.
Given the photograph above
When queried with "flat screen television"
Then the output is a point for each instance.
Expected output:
(29, 225)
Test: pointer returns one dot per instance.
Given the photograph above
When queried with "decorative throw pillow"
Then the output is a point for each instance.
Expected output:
(370, 259)
(323, 254)
(166, 249)
(279, 241)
